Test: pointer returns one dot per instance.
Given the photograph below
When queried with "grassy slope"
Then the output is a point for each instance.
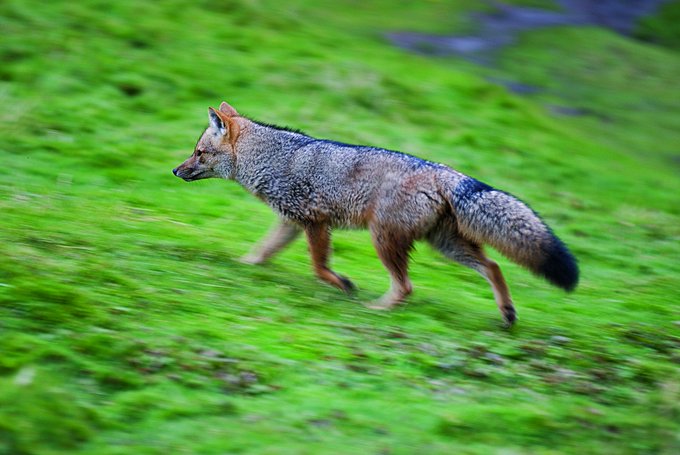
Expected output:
(127, 326)
(661, 27)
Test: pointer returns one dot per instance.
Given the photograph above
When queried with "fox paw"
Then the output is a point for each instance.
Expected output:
(346, 285)
(251, 259)
(382, 304)
(509, 316)
(378, 305)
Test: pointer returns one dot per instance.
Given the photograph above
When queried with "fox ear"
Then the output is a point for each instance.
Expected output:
(228, 110)
(216, 121)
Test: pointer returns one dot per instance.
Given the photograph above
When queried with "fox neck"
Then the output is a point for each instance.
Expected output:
(263, 158)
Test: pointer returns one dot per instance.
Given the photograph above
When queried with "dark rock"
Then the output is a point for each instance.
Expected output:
(560, 340)
(501, 27)
(569, 111)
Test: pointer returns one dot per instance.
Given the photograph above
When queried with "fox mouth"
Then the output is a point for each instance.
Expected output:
(196, 176)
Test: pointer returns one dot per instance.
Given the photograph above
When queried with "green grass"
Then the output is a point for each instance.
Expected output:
(661, 28)
(128, 326)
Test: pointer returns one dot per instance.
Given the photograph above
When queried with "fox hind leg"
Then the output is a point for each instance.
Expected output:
(492, 272)
(393, 250)
(319, 238)
(471, 254)
(277, 239)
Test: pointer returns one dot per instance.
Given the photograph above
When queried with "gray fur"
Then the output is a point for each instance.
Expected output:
(309, 181)
(312, 183)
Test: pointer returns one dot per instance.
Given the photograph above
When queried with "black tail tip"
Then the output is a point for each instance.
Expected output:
(560, 266)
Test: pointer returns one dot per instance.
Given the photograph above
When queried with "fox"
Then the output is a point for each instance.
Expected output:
(316, 185)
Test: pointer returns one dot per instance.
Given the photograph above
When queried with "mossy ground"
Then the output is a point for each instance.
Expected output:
(128, 326)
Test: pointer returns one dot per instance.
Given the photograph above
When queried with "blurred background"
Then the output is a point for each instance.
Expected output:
(128, 326)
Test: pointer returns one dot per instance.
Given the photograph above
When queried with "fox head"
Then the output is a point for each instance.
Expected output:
(215, 152)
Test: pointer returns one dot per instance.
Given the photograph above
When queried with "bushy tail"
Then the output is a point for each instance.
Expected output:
(489, 216)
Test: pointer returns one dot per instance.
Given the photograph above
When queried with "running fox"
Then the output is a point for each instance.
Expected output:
(315, 185)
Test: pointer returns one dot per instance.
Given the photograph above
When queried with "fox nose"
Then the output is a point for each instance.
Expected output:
(174, 172)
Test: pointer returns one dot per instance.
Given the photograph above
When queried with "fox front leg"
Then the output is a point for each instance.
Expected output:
(277, 239)
(319, 238)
